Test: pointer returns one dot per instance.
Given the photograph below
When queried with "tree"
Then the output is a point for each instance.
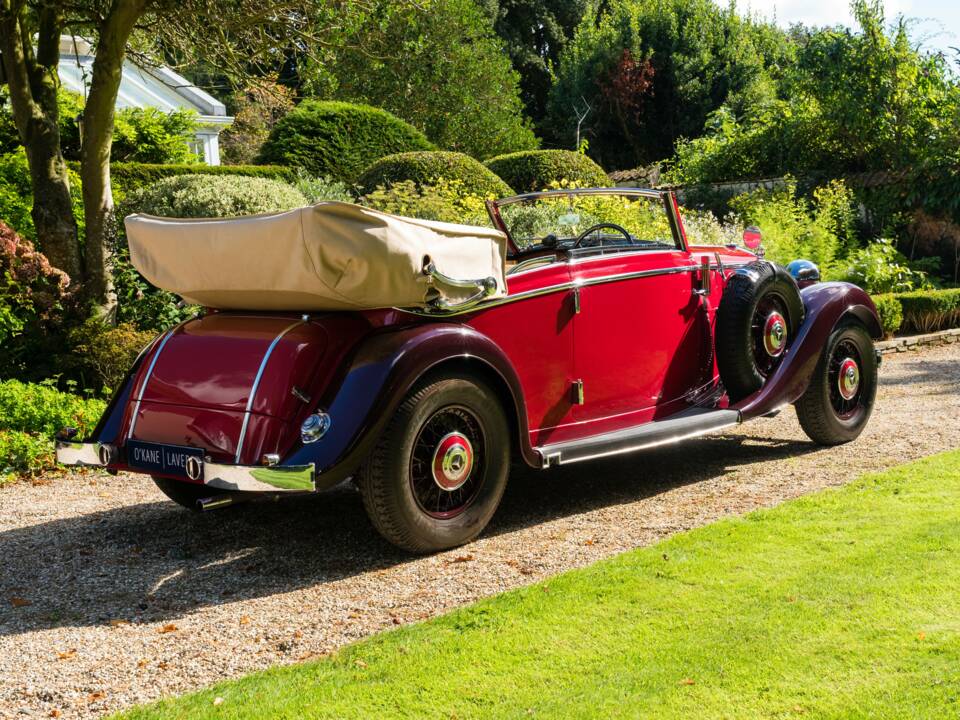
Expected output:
(686, 58)
(238, 36)
(535, 32)
(438, 65)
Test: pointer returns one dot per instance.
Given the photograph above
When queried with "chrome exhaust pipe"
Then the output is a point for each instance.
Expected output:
(215, 502)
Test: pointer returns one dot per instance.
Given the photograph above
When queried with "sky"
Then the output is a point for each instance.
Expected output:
(939, 26)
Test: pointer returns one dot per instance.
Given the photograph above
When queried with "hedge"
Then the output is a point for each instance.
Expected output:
(919, 311)
(132, 176)
(338, 139)
(533, 170)
(427, 168)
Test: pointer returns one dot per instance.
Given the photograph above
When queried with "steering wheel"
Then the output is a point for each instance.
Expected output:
(601, 226)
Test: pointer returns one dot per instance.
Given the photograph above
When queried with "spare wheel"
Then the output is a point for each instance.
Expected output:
(759, 314)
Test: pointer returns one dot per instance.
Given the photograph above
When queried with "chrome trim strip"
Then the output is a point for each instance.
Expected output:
(146, 377)
(248, 478)
(557, 456)
(256, 384)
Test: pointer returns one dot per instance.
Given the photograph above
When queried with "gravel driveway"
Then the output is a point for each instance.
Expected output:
(110, 595)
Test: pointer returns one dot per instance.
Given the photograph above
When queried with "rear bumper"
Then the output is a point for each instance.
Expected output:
(239, 478)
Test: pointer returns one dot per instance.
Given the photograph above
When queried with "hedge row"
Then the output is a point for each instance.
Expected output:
(132, 176)
(534, 170)
(920, 311)
(427, 168)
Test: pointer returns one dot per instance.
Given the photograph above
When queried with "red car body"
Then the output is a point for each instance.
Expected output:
(588, 355)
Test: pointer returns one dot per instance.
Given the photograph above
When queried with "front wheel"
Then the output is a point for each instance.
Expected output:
(438, 472)
(837, 404)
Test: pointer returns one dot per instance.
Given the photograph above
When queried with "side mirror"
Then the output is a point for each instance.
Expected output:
(752, 237)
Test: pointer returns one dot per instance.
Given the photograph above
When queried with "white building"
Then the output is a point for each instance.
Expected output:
(142, 87)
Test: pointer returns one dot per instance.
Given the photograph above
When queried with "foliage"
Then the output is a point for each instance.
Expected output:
(880, 268)
(444, 200)
(16, 195)
(149, 135)
(742, 612)
(533, 170)
(534, 33)
(141, 304)
(703, 228)
(317, 189)
(891, 313)
(930, 310)
(338, 139)
(794, 227)
(214, 196)
(30, 416)
(107, 351)
(439, 66)
(257, 108)
(127, 177)
(426, 168)
(652, 72)
(35, 308)
(818, 122)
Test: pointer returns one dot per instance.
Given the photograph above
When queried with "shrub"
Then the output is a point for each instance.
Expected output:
(317, 189)
(930, 310)
(44, 410)
(338, 139)
(427, 168)
(445, 201)
(35, 309)
(210, 196)
(108, 352)
(533, 170)
(30, 416)
(127, 177)
(890, 311)
(258, 107)
(16, 195)
(151, 135)
(879, 268)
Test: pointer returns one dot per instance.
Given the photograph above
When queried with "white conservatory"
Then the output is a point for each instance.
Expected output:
(143, 87)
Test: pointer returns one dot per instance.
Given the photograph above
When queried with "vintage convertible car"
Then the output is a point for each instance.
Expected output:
(607, 332)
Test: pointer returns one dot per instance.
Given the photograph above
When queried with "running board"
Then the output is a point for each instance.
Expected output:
(682, 426)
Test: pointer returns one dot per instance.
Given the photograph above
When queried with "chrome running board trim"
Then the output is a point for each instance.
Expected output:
(683, 426)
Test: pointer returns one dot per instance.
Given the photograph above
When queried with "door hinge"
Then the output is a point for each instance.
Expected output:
(576, 301)
(578, 392)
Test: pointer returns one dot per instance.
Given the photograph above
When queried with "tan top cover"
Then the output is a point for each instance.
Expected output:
(330, 256)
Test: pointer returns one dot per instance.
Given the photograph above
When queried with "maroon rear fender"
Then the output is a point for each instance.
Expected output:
(825, 305)
(384, 368)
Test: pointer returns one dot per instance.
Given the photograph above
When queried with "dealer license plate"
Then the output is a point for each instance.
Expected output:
(161, 459)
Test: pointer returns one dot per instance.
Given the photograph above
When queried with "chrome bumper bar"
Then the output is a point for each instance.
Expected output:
(240, 478)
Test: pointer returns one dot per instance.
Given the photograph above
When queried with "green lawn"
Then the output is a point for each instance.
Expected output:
(841, 604)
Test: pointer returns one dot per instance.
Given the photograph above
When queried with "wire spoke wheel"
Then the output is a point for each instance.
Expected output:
(843, 379)
(446, 466)
(768, 330)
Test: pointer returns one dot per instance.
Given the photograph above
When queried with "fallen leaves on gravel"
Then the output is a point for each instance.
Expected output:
(168, 628)
(244, 619)
(97, 695)
(20, 602)
(462, 559)
(118, 623)
(67, 654)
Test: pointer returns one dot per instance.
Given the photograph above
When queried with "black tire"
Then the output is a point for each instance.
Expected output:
(825, 415)
(183, 493)
(403, 498)
(752, 291)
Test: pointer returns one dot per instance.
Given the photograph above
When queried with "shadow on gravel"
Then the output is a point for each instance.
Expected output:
(156, 561)
(936, 372)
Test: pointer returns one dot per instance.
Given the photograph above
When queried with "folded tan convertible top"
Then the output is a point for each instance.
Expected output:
(329, 256)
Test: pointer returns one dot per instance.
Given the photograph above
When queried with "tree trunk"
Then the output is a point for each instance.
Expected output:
(98, 121)
(33, 81)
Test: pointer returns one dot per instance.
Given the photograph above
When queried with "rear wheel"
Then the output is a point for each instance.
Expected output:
(183, 493)
(437, 474)
(838, 403)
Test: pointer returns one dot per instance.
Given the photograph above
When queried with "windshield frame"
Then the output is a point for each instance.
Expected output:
(666, 197)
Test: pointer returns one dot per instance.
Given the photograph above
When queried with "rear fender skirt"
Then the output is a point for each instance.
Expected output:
(382, 371)
(825, 305)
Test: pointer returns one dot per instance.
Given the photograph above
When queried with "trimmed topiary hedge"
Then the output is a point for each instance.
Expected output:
(533, 170)
(129, 176)
(338, 139)
(919, 311)
(211, 196)
(427, 168)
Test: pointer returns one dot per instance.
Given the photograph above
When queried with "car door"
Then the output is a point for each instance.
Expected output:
(534, 327)
(641, 337)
